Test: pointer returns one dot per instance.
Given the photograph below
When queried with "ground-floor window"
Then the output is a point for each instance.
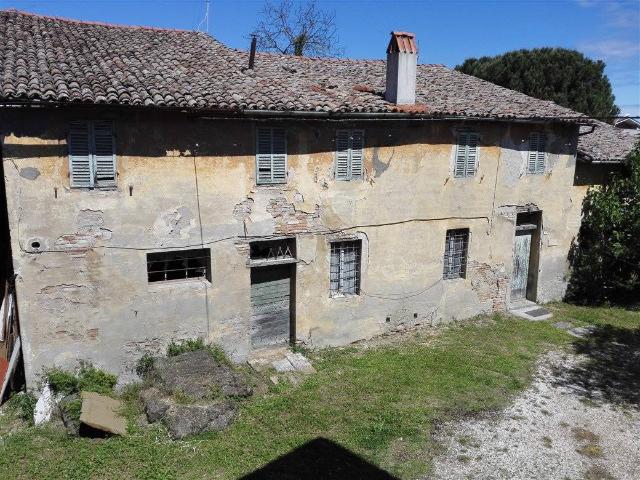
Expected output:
(179, 264)
(455, 253)
(345, 267)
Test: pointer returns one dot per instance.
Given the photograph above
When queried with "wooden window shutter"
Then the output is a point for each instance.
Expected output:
(271, 155)
(537, 153)
(357, 147)
(349, 154)
(342, 155)
(466, 160)
(80, 159)
(104, 153)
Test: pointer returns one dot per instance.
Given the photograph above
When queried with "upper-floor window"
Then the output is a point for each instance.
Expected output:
(92, 155)
(466, 155)
(537, 153)
(271, 155)
(456, 248)
(349, 157)
(344, 276)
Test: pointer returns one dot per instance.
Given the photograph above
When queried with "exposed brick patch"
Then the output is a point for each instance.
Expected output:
(489, 283)
(290, 221)
(242, 210)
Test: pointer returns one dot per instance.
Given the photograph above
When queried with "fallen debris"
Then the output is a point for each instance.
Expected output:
(101, 412)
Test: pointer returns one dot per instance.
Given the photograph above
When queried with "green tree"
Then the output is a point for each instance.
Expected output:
(606, 258)
(564, 76)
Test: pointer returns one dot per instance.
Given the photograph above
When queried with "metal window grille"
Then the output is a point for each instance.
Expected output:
(345, 267)
(177, 265)
(455, 253)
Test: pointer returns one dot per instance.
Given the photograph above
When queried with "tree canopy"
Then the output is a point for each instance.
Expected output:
(302, 28)
(564, 76)
(606, 259)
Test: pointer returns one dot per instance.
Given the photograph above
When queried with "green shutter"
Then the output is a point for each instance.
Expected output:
(342, 155)
(104, 153)
(349, 154)
(537, 153)
(271, 155)
(466, 160)
(80, 158)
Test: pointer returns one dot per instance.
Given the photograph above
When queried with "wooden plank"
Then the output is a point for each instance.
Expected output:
(270, 303)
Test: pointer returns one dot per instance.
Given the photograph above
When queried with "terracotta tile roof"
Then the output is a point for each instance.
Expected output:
(606, 143)
(45, 59)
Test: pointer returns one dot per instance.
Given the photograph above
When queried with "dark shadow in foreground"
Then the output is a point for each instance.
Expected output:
(319, 459)
(611, 371)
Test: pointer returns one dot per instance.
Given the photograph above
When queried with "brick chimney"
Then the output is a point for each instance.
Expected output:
(402, 60)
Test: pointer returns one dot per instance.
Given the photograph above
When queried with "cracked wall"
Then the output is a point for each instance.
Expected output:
(80, 255)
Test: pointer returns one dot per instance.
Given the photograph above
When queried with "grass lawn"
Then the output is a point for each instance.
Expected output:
(380, 402)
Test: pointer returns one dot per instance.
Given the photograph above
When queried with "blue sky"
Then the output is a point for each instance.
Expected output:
(448, 31)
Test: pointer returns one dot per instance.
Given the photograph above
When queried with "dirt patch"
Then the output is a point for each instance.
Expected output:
(549, 432)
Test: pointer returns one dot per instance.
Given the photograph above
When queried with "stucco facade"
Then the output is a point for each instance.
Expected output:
(183, 181)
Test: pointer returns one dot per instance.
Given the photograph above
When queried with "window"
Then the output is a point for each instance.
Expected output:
(537, 145)
(271, 156)
(92, 156)
(349, 145)
(345, 267)
(178, 265)
(455, 253)
(466, 155)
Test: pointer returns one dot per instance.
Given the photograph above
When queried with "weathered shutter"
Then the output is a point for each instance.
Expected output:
(271, 155)
(263, 155)
(80, 160)
(541, 154)
(342, 155)
(279, 155)
(461, 155)
(104, 153)
(466, 154)
(357, 146)
(535, 163)
(472, 154)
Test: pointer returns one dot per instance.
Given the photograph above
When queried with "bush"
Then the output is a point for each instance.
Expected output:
(219, 354)
(605, 261)
(185, 346)
(61, 381)
(88, 378)
(92, 379)
(22, 406)
(145, 365)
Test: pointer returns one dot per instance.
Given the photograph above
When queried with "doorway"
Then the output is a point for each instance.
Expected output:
(526, 248)
(271, 300)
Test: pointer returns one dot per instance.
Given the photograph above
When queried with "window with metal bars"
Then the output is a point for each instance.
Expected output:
(179, 265)
(455, 253)
(345, 267)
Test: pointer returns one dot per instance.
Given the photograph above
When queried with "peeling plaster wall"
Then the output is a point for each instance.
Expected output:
(80, 255)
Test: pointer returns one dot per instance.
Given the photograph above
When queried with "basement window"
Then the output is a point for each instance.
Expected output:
(179, 265)
(455, 253)
(345, 268)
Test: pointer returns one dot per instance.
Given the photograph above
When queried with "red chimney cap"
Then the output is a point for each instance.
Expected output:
(402, 42)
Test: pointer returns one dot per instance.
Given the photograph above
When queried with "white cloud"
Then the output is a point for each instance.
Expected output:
(611, 49)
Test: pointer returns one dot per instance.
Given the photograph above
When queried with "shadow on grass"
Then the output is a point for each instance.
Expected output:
(319, 459)
(611, 371)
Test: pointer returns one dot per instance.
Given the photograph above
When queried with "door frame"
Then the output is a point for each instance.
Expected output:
(530, 220)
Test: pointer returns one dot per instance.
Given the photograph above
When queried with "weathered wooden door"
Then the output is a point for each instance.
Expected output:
(270, 305)
(521, 255)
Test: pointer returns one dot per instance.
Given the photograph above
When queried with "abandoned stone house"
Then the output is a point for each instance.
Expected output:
(162, 186)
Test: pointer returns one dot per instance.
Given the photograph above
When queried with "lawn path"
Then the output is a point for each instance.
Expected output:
(553, 430)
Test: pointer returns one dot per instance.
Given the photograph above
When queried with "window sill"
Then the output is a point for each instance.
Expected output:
(177, 283)
(339, 295)
(266, 263)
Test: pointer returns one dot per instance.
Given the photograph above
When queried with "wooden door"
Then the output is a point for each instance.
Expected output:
(521, 255)
(270, 305)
